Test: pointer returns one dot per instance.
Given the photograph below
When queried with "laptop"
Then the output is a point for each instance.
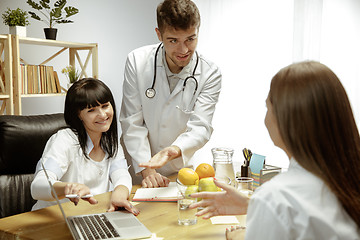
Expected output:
(109, 225)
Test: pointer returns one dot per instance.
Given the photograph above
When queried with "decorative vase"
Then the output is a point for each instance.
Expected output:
(50, 33)
(18, 30)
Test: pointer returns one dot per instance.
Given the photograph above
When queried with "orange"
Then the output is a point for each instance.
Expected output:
(187, 176)
(205, 170)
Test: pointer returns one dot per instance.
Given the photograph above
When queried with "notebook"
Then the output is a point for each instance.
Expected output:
(109, 225)
(162, 194)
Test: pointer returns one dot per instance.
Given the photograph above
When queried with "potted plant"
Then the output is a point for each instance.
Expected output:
(17, 20)
(52, 15)
(72, 74)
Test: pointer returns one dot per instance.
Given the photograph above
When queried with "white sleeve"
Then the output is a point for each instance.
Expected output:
(262, 222)
(56, 161)
(135, 132)
(40, 188)
(199, 128)
(121, 177)
(119, 174)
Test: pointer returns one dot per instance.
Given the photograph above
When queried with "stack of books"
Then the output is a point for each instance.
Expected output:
(39, 79)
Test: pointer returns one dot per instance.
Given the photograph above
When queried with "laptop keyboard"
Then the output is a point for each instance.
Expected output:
(95, 227)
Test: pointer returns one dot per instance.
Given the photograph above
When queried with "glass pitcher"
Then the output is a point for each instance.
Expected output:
(223, 164)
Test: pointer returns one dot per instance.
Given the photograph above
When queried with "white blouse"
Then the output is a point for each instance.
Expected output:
(297, 205)
(65, 161)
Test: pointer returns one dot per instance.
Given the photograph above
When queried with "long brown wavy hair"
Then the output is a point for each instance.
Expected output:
(317, 125)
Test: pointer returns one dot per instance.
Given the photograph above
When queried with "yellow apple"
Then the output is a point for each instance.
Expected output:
(207, 185)
(190, 190)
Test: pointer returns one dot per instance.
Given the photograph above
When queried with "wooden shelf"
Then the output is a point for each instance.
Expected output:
(4, 96)
(6, 77)
(54, 43)
(10, 70)
(43, 95)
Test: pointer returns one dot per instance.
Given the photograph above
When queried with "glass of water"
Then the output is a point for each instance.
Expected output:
(245, 185)
(186, 216)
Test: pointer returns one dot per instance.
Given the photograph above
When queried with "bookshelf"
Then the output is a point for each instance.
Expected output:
(14, 60)
(6, 78)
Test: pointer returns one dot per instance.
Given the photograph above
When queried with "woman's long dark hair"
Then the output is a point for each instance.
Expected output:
(87, 93)
(317, 125)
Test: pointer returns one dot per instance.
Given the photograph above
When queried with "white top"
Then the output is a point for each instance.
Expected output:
(65, 161)
(151, 124)
(297, 205)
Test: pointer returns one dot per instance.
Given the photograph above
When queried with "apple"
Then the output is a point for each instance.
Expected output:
(191, 189)
(207, 185)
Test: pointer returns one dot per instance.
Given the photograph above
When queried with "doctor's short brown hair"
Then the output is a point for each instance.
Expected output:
(178, 14)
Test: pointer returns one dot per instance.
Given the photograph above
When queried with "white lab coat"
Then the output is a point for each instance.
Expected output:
(151, 124)
(297, 205)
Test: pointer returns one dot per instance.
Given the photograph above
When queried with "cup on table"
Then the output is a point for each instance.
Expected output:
(245, 185)
(186, 216)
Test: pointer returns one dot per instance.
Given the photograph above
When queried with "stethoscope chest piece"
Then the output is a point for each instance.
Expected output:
(150, 92)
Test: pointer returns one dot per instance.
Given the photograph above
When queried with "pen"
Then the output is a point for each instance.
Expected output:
(77, 196)
(247, 155)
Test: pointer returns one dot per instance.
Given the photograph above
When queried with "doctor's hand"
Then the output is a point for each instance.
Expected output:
(227, 202)
(162, 157)
(152, 179)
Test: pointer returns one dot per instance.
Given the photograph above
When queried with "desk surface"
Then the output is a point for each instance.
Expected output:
(158, 217)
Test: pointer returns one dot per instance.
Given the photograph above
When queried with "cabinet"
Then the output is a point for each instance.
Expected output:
(13, 88)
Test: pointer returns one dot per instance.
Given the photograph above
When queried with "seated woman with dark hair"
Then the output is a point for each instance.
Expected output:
(85, 158)
(308, 116)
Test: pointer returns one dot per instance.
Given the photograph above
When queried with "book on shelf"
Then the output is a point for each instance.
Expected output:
(58, 87)
(39, 79)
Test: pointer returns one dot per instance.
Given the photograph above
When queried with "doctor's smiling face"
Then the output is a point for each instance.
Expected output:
(179, 46)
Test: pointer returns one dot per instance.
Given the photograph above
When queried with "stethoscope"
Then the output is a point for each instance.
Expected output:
(150, 92)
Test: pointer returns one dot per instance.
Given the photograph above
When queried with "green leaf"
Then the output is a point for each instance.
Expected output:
(33, 15)
(70, 11)
(60, 4)
(45, 3)
(34, 5)
(56, 12)
(64, 21)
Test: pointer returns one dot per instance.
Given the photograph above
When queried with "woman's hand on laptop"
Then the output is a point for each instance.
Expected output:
(119, 199)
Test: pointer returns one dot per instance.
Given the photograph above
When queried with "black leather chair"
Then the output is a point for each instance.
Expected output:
(22, 141)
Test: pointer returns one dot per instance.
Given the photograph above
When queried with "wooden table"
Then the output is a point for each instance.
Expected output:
(158, 217)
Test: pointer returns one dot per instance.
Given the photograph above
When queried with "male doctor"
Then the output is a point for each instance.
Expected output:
(169, 96)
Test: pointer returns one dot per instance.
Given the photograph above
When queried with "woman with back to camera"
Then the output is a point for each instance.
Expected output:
(308, 116)
(85, 158)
